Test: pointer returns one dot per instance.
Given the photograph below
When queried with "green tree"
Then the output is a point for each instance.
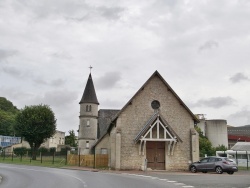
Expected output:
(205, 146)
(71, 139)
(7, 117)
(7, 106)
(20, 151)
(35, 124)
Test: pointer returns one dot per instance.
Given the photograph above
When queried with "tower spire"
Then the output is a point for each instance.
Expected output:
(89, 95)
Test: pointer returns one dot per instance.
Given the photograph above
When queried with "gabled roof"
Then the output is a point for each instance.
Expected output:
(241, 146)
(156, 73)
(89, 95)
(147, 126)
(105, 117)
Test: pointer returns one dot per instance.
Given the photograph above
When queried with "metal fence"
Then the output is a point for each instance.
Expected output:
(100, 158)
(241, 158)
(59, 158)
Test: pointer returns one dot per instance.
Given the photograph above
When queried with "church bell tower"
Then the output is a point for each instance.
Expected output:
(88, 118)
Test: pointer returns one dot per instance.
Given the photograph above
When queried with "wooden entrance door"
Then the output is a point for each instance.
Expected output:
(156, 155)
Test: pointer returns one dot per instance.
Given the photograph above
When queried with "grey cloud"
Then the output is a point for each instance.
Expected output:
(6, 53)
(112, 104)
(240, 116)
(62, 55)
(40, 81)
(56, 83)
(208, 45)
(74, 10)
(112, 13)
(58, 98)
(109, 80)
(12, 71)
(238, 77)
(215, 102)
(51, 8)
(109, 13)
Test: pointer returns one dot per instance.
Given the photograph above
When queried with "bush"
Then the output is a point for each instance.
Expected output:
(20, 151)
(43, 150)
(52, 150)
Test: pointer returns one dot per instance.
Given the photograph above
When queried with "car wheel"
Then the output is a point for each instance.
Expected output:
(204, 171)
(193, 169)
(230, 172)
(218, 170)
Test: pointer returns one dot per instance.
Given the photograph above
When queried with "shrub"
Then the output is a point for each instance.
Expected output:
(20, 151)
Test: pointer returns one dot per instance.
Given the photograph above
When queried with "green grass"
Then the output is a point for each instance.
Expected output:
(243, 168)
(59, 162)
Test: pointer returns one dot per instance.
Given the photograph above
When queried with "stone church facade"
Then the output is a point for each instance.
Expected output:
(155, 129)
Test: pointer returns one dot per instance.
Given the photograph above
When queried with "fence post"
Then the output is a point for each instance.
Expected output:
(94, 159)
(12, 154)
(41, 157)
(236, 157)
(247, 160)
(66, 158)
(30, 154)
(79, 157)
(53, 158)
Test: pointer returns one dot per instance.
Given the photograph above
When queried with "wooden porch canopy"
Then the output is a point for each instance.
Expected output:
(157, 129)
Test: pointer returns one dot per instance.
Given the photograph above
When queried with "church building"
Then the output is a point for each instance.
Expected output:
(154, 129)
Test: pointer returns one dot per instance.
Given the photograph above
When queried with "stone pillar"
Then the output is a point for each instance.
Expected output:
(118, 151)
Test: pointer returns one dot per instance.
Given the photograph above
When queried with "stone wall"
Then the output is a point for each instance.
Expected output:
(135, 116)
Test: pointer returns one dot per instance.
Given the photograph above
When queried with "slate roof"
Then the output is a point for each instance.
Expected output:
(105, 117)
(89, 95)
(240, 131)
(241, 146)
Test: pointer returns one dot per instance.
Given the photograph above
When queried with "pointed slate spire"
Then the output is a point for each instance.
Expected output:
(89, 95)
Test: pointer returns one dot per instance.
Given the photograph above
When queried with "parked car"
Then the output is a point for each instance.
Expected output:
(215, 164)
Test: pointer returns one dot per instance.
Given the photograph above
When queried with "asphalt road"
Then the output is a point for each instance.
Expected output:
(19, 176)
(239, 179)
(15, 176)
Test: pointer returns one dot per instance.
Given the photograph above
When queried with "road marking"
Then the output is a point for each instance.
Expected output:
(156, 178)
(179, 183)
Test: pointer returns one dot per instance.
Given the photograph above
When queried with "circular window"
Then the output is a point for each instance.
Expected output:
(155, 104)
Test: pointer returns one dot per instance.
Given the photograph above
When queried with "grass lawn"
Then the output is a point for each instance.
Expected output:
(56, 162)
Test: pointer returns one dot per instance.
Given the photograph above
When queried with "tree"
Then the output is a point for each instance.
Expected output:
(7, 106)
(7, 117)
(35, 124)
(205, 146)
(71, 139)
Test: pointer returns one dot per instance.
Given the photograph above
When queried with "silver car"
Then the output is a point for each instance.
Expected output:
(215, 164)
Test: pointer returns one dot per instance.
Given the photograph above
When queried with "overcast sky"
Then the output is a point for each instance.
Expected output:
(201, 48)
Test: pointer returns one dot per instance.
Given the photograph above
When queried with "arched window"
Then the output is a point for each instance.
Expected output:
(87, 144)
(89, 108)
